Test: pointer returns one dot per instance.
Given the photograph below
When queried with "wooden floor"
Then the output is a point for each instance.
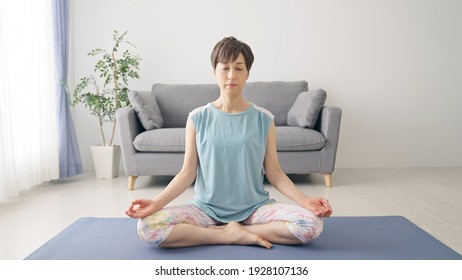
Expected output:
(429, 197)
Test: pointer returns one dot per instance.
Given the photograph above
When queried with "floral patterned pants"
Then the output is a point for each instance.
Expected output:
(302, 223)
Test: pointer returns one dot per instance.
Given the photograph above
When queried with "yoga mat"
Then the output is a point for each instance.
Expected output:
(343, 238)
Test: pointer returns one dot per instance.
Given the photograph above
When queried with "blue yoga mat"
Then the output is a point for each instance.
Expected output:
(343, 238)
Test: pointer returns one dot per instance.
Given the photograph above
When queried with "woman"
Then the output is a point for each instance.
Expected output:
(229, 142)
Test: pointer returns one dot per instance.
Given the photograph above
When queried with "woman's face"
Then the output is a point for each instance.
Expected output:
(232, 76)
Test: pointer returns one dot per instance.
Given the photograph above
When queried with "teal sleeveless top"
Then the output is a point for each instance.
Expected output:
(231, 149)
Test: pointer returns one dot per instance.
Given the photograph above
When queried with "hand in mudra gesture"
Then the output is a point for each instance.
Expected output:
(141, 208)
(318, 206)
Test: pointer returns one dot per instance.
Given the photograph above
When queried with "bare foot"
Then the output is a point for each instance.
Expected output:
(238, 235)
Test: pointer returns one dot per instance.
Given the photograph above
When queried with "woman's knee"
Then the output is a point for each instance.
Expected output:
(306, 229)
(154, 228)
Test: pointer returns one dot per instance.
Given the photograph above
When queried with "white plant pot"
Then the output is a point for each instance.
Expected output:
(106, 160)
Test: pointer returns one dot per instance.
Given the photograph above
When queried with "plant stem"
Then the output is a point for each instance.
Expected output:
(100, 119)
(102, 131)
(113, 131)
(116, 93)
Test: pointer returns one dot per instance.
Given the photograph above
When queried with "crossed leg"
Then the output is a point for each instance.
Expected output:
(184, 235)
(186, 225)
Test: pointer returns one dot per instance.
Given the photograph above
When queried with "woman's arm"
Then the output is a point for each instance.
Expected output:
(144, 207)
(284, 185)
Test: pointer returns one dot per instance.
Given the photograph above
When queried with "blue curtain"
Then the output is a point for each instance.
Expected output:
(70, 163)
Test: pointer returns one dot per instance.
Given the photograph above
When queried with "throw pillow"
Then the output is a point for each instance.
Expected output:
(306, 108)
(147, 109)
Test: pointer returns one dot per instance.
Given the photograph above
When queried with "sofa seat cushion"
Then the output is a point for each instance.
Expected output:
(290, 138)
(161, 140)
(173, 140)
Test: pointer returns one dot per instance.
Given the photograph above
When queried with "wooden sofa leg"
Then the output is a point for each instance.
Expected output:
(328, 179)
(131, 182)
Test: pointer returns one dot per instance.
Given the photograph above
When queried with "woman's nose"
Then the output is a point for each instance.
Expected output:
(231, 75)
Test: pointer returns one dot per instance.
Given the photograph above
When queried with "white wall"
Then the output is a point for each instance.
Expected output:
(393, 66)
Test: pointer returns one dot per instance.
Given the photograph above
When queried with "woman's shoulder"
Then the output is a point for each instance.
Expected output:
(264, 111)
(198, 110)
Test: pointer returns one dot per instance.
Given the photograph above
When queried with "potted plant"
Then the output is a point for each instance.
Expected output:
(112, 71)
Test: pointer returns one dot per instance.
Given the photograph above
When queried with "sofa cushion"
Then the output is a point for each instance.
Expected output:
(146, 108)
(172, 140)
(161, 140)
(306, 108)
(277, 97)
(290, 138)
(177, 101)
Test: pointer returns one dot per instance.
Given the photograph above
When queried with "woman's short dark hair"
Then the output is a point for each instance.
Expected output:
(228, 49)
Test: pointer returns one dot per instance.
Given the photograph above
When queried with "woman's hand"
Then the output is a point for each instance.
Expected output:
(318, 206)
(141, 208)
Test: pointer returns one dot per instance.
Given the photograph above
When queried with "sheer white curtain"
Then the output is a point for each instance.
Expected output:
(28, 126)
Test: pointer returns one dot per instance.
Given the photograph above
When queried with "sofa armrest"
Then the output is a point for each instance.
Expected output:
(329, 125)
(128, 127)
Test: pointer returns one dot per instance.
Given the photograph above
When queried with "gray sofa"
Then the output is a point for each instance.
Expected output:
(151, 133)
